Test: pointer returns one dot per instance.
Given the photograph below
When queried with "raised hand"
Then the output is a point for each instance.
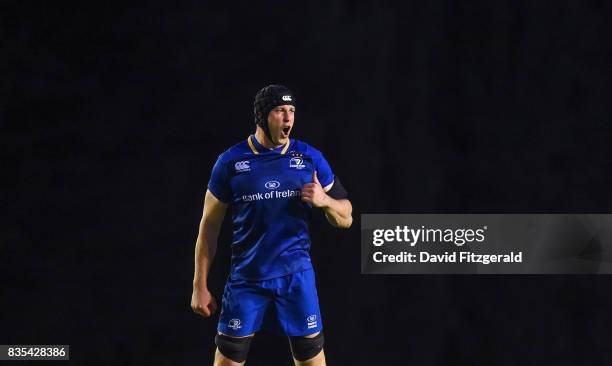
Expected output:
(313, 193)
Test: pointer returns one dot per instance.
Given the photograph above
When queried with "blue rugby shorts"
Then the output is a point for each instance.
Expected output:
(286, 305)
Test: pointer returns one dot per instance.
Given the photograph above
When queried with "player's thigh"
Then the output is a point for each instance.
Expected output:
(242, 308)
(298, 307)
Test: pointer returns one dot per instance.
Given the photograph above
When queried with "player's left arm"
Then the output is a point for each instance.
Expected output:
(337, 211)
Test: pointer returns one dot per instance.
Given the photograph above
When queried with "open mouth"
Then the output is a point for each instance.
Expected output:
(286, 131)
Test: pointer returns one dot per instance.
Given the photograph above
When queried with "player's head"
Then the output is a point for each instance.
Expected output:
(274, 109)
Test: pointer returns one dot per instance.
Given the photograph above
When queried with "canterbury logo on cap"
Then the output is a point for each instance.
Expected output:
(287, 98)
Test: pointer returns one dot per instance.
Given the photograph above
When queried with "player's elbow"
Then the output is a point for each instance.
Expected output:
(341, 223)
(341, 217)
(348, 217)
(345, 224)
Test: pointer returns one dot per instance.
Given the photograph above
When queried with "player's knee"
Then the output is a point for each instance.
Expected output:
(304, 348)
(234, 348)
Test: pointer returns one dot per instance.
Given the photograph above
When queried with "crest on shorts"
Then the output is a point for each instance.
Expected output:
(312, 321)
(234, 324)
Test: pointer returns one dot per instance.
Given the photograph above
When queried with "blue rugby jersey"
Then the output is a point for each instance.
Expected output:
(263, 186)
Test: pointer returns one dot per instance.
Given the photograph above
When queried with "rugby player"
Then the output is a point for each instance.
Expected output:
(272, 183)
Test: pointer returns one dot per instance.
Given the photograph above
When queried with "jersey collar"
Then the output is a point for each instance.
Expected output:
(256, 147)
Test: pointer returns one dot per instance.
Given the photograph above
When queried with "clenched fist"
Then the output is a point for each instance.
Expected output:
(313, 193)
(203, 303)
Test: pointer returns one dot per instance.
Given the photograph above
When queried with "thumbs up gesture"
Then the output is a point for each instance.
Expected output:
(313, 193)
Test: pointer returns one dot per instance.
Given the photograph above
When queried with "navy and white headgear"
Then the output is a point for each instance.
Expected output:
(266, 99)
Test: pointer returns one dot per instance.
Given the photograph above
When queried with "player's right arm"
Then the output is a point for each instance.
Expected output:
(202, 302)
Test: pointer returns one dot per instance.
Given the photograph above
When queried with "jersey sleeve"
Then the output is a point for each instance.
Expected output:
(324, 172)
(219, 181)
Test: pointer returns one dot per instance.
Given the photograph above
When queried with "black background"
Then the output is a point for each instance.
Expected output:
(112, 117)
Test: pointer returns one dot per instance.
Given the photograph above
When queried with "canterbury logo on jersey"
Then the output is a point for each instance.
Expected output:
(242, 166)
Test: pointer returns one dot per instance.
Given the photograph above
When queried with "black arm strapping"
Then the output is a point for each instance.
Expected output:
(337, 191)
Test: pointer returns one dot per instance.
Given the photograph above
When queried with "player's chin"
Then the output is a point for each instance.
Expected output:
(283, 138)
